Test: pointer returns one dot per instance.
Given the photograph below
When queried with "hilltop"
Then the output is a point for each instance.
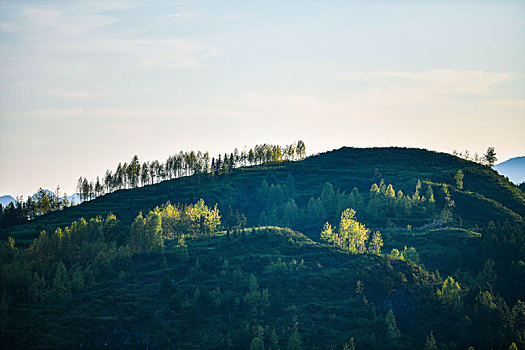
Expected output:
(485, 196)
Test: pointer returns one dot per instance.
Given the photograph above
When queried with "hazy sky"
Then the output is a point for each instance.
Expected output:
(85, 85)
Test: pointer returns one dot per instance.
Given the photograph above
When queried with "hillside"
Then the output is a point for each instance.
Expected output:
(417, 254)
(229, 291)
(486, 196)
(513, 168)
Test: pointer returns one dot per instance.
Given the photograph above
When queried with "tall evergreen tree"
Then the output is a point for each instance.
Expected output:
(490, 156)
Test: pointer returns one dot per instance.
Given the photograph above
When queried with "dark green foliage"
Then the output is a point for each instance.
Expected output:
(171, 278)
(274, 287)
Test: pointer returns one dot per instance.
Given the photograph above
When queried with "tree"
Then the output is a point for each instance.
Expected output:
(351, 235)
(144, 174)
(85, 189)
(80, 188)
(146, 233)
(351, 232)
(301, 149)
(450, 293)
(251, 157)
(429, 195)
(327, 234)
(490, 156)
(393, 331)
(108, 181)
(294, 342)
(459, 179)
(61, 283)
(415, 197)
(390, 191)
(376, 243)
(99, 189)
(410, 254)
(431, 344)
(350, 345)
(257, 344)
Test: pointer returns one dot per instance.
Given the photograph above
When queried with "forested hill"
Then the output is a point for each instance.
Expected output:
(389, 248)
(289, 193)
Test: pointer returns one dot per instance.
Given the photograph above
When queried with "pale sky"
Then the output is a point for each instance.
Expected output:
(85, 85)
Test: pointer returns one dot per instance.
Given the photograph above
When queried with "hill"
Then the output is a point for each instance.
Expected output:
(513, 168)
(446, 269)
(485, 196)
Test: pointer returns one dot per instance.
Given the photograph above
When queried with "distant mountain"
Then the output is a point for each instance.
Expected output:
(513, 168)
(5, 200)
(48, 192)
(73, 199)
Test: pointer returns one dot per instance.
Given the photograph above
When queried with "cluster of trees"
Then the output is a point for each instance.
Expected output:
(491, 297)
(380, 207)
(190, 220)
(68, 260)
(352, 235)
(385, 202)
(64, 261)
(489, 158)
(39, 204)
(409, 254)
(134, 174)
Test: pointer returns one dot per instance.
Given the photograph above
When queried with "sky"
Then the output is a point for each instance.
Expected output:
(86, 85)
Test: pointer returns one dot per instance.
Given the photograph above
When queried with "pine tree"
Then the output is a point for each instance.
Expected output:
(431, 344)
(350, 345)
(393, 331)
(77, 280)
(327, 234)
(61, 282)
(257, 342)
(450, 292)
(301, 149)
(294, 342)
(376, 243)
(273, 339)
(416, 197)
(490, 156)
(390, 191)
(459, 179)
